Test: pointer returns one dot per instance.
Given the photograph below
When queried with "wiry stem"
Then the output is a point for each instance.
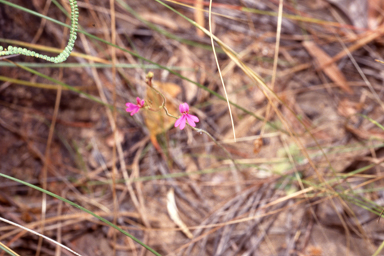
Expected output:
(149, 83)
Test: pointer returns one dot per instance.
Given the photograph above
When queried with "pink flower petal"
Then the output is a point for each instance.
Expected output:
(183, 108)
(131, 107)
(181, 122)
(194, 118)
(178, 121)
(190, 120)
(134, 112)
(140, 102)
(134, 108)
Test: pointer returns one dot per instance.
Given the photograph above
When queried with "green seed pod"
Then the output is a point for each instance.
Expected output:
(62, 56)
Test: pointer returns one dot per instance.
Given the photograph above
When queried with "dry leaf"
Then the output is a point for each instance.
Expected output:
(355, 10)
(110, 140)
(332, 71)
(348, 108)
(158, 122)
(187, 61)
(173, 213)
(365, 38)
(364, 134)
(257, 144)
(199, 16)
(161, 20)
(26, 216)
(374, 16)
(314, 251)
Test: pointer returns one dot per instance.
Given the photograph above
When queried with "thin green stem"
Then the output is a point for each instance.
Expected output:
(7, 250)
(379, 249)
(83, 209)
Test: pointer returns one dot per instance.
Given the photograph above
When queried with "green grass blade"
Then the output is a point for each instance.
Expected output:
(83, 209)
(7, 250)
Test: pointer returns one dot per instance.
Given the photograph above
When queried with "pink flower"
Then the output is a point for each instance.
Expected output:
(184, 110)
(134, 108)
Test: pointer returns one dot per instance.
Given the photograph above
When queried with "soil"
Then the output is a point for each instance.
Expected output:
(298, 187)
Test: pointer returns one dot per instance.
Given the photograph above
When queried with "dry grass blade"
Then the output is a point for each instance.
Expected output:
(117, 142)
(365, 38)
(4, 247)
(173, 213)
(40, 235)
(43, 21)
(275, 60)
(331, 70)
(218, 66)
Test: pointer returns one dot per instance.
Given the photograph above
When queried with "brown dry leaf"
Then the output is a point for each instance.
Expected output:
(289, 100)
(191, 167)
(110, 140)
(332, 71)
(93, 243)
(257, 144)
(199, 16)
(355, 10)
(158, 122)
(365, 38)
(258, 96)
(161, 20)
(26, 216)
(314, 251)
(173, 213)
(374, 16)
(348, 108)
(4, 200)
(187, 61)
(363, 134)
(38, 4)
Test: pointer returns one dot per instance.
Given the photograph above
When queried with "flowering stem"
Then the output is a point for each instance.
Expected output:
(153, 110)
(218, 144)
(149, 83)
